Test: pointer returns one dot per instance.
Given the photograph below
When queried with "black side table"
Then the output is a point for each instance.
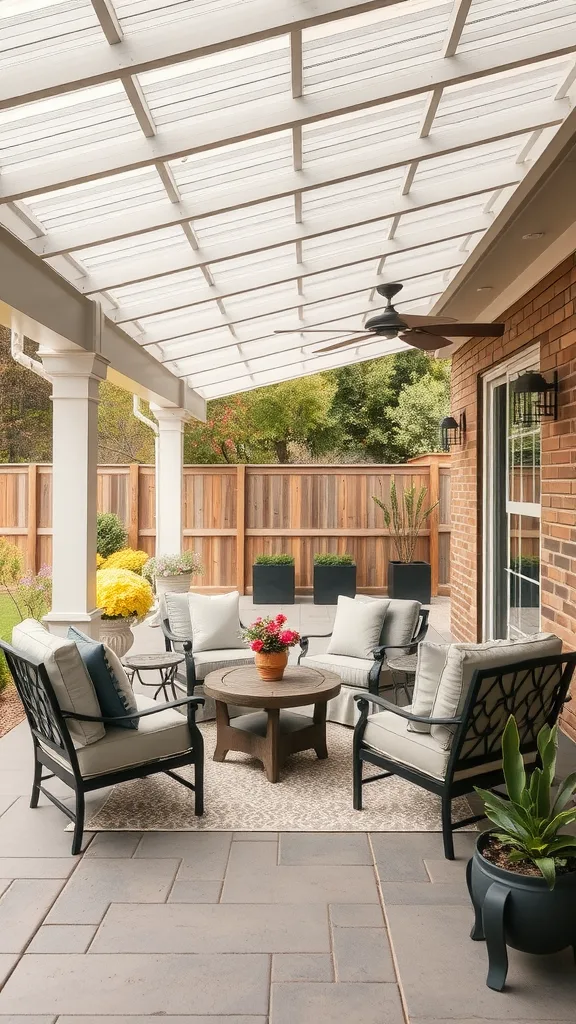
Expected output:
(164, 663)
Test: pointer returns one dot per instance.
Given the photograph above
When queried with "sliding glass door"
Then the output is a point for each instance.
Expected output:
(511, 519)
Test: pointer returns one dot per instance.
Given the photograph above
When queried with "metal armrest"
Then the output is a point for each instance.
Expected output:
(197, 701)
(386, 705)
(185, 641)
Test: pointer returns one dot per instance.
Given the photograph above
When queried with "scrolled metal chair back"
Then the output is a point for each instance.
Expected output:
(532, 691)
(40, 704)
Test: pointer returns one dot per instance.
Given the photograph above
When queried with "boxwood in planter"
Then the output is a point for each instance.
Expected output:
(334, 575)
(273, 579)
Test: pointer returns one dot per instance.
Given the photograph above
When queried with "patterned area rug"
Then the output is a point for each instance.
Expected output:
(312, 796)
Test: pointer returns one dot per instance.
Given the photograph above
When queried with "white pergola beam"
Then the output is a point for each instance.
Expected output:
(421, 267)
(280, 113)
(108, 20)
(456, 26)
(161, 46)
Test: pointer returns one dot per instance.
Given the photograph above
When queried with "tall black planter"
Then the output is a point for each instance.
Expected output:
(518, 911)
(333, 581)
(410, 581)
(273, 584)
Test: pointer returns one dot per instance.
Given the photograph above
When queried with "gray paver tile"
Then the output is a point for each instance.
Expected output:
(22, 907)
(33, 832)
(443, 870)
(113, 844)
(204, 890)
(254, 856)
(138, 984)
(210, 928)
(203, 855)
(260, 837)
(37, 867)
(445, 893)
(302, 967)
(400, 856)
(295, 884)
(468, 1020)
(317, 1003)
(444, 973)
(4, 883)
(140, 1019)
(12, 1019)
(6, 801)
(356, 915)
(362, 954)
(15, 780)
(324, 848)
(7, 962)
(62, 938)
(98, 882)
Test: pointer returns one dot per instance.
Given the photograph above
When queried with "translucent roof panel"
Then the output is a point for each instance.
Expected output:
(32, 29)
(209, 191)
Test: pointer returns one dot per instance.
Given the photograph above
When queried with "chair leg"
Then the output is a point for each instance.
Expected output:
(357, 781)
(447, 834)
(78, 823)
(36, 781)
(199, 785)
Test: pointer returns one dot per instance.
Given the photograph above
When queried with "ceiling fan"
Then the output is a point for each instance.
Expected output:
(424, 332)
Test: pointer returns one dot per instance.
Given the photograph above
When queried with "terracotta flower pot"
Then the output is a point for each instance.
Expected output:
(271, 666)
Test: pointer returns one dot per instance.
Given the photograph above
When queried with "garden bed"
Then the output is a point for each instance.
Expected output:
(11, 709)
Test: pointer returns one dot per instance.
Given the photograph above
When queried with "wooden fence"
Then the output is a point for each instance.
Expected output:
(232, 513)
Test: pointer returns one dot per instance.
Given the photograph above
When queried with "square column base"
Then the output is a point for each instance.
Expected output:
(86, 622)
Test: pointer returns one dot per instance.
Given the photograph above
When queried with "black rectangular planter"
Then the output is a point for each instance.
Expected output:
(333, 581)
(273, 584)
(410, 581)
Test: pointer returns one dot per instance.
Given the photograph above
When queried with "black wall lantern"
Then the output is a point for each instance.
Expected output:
(534, 399)
(452, 432)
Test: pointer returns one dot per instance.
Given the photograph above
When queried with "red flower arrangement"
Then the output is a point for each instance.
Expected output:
(270, 636)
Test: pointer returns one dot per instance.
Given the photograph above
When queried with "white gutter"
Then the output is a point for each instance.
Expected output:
(140, 416)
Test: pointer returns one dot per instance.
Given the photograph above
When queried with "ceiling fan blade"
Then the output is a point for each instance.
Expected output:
(343, 344)
(467, 330)
(413, 320)
(424, 341)
(317, 330)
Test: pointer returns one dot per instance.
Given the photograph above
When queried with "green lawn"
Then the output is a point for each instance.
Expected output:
(8, 616)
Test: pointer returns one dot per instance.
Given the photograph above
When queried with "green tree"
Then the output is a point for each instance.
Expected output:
(421, 406)
(121, 437)
(25, 409)
(294, 411)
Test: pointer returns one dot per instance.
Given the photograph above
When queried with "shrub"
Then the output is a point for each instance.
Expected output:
(34, 593)
(274, 560)
(11, 564)
(173, 565)
(528, 565)
(126, 558)
(122, 594)
(110, 534)
(330, 559)
(5, 677)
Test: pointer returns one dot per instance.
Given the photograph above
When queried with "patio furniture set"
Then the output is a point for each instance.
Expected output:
(91, 730)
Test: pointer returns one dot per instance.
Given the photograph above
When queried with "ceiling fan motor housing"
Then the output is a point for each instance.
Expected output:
(387, 323)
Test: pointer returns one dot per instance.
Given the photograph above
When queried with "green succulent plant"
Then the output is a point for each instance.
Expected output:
(529, 822)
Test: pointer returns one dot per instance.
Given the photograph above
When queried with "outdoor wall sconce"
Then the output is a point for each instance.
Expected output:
(534, 399)
(452, 432)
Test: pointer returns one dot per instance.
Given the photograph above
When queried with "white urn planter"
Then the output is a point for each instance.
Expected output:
(179, 583)
(117, 634)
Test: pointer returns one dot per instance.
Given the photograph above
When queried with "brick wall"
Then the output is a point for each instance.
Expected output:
(545, 315)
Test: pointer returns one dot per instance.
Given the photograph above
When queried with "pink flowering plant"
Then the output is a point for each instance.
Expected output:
(270, 636)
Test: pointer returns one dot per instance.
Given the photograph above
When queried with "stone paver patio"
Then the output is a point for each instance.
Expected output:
(245, 928)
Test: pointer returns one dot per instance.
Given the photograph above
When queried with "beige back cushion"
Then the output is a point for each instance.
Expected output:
(357, 627)
(215, 621)
(431, 664)
(462, 661)
(176, 609)
(66, 671)
(399, 624)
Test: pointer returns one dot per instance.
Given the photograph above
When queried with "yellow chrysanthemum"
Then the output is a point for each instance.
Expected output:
(120, 593)
(127, 558)
(99, 561)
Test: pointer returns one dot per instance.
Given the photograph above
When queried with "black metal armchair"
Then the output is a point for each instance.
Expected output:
(534, 691)
(180, 743)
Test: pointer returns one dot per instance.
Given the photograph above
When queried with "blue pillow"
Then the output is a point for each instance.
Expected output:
(115, 695)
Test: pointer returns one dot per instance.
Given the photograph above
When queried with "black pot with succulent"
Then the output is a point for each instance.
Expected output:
(522, 876)
(409, 579)
(334, 575)
(273, 579)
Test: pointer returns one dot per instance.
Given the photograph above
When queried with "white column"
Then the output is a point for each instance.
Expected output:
(75, 378)
(169, 462)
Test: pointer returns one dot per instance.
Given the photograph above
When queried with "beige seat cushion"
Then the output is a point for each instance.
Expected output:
(158, 736)
(209, 661)
(387, 733)
(66, 671)
(352, 671)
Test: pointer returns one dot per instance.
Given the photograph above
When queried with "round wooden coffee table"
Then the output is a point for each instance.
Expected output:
(272, 733)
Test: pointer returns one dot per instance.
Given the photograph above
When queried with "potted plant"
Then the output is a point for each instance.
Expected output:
(522, 877)
(270, 640)
(333, 575)
(406, 517)
(124, 598)
(273, 580)
(172, 573)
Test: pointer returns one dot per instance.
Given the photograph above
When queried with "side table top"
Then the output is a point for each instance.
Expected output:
(164, 659)
(300, 685)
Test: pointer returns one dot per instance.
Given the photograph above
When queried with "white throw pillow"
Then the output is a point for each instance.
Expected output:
(215, 621)
(357, 627)
(462, 661)
(66, 671)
